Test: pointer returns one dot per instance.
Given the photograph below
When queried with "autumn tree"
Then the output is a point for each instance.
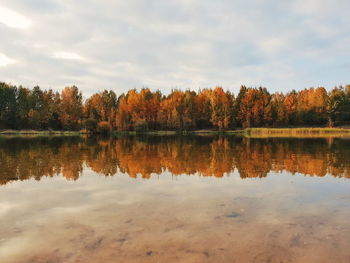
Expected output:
(237, 106)
(100, 110)
(290, 104)
(279, 111)
(312, 106)
(221, 106)
(71, 108)
(202, 109)
(123, 118)
(172, 110)
(255, 108)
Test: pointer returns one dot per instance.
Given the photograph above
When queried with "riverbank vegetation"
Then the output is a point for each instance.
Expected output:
(206, 110)
(296, 132)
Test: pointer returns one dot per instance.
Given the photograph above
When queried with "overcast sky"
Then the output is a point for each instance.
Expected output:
(124, 44)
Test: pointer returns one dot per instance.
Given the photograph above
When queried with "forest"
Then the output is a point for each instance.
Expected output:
(34, 108)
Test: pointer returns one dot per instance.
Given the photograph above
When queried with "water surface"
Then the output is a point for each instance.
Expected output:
(174, 199)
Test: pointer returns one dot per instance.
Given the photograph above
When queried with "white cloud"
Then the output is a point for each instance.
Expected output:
(5, 60)
(282, 45)
(273, 44)
(67, 55)
(13, 19)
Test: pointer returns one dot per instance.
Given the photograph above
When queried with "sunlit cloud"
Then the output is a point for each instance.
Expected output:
(5, 60)
(13, 19)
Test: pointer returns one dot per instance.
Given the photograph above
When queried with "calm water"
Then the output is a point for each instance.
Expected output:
(174, 199)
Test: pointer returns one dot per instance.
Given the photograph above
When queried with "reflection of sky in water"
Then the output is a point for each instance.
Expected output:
(175, 218)
(39, 216)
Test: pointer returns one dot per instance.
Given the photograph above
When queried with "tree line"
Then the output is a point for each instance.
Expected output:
(24, 108)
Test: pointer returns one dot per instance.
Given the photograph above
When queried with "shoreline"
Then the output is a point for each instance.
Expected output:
(44, 133)
(301, 132)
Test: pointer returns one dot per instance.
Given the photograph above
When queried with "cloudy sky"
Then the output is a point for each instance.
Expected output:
(163, 44)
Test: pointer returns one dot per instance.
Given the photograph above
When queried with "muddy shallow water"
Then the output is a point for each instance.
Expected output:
(174, 199)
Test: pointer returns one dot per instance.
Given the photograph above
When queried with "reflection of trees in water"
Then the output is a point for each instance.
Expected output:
(22, 158)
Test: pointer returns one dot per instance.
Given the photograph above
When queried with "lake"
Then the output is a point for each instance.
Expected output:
(174, 199)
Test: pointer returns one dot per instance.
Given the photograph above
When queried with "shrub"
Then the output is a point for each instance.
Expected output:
(141, 126)
(104, 127)
(91, 125)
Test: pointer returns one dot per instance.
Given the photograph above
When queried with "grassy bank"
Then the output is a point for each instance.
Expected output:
(296, 132)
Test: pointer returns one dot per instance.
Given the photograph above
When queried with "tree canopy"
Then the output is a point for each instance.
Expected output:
(24, 108)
